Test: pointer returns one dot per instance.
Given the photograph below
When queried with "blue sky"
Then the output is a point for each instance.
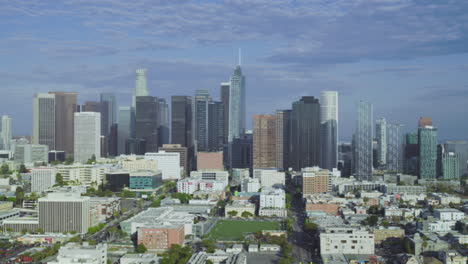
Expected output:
(408, 57)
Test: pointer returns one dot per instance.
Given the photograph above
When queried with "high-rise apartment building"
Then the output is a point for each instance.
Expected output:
(65, 108)
(5, 135)
(329, 128)
(224, 91)
(201, 101)
(141, 88)
(125, 128)
(450, 166)
(363, 159)
(44, 120)
(146, 122)
(64, 212)
(283, 140)
(381, 137)
(87, 136)
(461, 149)
(264, 139)
(305, 133)
(425, 121)
(236, 104)
(395, 148)
(215, 126)
(427, 141)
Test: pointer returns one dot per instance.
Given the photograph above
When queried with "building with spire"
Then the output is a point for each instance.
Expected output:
(237, 104)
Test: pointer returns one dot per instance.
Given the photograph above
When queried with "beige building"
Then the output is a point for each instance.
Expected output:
(264, 140)
(179, 149)
(210, 161)
(134, 164)
(240, 206)
(315, 180)
(381, 235)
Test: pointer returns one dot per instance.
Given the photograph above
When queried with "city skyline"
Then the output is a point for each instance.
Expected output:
(414, 61)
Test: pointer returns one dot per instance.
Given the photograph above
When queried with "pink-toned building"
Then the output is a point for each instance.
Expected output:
(161, 238)
(210, 161)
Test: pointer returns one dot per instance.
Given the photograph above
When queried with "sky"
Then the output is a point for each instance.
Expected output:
(408, 57)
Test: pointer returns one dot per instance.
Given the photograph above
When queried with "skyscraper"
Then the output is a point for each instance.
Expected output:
(65, 107)
(305, 133)
(202, 97)
(329, 127)
(6, 132)
(141, 88)
(44, 120)
(236, 104)
(125, 128)
(283, 140)
(224, 91)
(395, 147)
(240, 152)
(461, 149)
(91, 106)
(411, 154)
(87, 136)
(108, 112)
(450, 166)
(381, 136)
(363, 141)
(215, 126)
(427, 141)
(182, 126)
(146, 122)
(264, 140)
(163, 117)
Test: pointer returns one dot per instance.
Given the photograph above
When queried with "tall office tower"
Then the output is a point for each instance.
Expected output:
(450, 166)
(177, 148)
(461, 149)
(395, 147)
(141, 88)
(65, 107)
(124, 128)
(264, 140)
(44, 120)
(329, 127)
(181, 113)
(240, 152)
(411, 154)
(202, 98)
(427, 141)
(215, 126)
(163, 117)
(363, 142)
(87, 136)
(91, 106)
(381, 136)
(425, 121)
(108, 112)
(146, 122)
(224, 91)
(6, 132)
(64, 212)
(182, 126)
(112, 141)
(305, 133)
(283, 126)
(236, 104)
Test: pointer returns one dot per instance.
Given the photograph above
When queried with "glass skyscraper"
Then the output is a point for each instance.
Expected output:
(236, 104)
(461, 149)
(427, 140)
(329, 128)
(202, 97)
(450, 166)
(395, 147)
(141, 88)
(125, 128)
(363, 137)
(381, 137)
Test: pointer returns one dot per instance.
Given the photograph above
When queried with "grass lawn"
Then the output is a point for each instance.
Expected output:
(237, 230)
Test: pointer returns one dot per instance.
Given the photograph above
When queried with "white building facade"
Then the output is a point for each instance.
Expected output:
(42, 179)
(168, 163)
(87, 136)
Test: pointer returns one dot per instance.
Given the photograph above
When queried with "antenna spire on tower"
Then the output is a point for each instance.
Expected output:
(240, 56)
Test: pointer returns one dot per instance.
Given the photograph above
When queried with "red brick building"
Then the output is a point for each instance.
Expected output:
(161, 238)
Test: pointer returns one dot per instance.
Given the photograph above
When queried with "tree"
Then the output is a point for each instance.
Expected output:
(69, 160)
(23, 169)
(59, 179)
(40, 230)
(140, 248)
(209, 244)
(246, 214)
(92, 159)
(232, 213)
(177, 255)
(5, 169)
(19, 193)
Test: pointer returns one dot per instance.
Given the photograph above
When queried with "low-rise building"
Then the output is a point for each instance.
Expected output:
(148, 258)
(446, 199)
(253, 248)
(105, 206)
(240, 207)
(392, 188)
(382, 234)
(315, 180)
(20, 225)
(250, 185)
(449, 214)
(145, 180)
(270, 248)
(272, 203)
(270, 177)
(162, 236)
(187, 185)
(84, 253)
(346, 240)
(42, 178)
